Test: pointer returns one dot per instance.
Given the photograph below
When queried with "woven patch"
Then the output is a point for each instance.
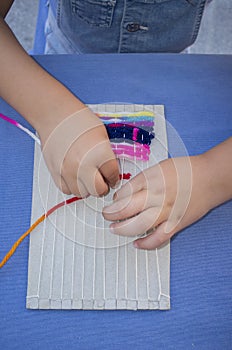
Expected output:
(130, 133)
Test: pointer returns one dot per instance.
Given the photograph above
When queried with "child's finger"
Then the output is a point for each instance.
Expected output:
(61, 184)
(136, 184)
(64, 187)
(78, 188)
(155, 239)
(129, 206)
(110, 172)
(95, 183)
(138, 224)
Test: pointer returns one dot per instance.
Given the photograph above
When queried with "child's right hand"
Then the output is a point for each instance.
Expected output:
(78, 154)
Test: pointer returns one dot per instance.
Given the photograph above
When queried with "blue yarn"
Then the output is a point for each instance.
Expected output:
(126, 132)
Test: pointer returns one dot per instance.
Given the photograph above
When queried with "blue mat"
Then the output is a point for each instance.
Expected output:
(197, 94)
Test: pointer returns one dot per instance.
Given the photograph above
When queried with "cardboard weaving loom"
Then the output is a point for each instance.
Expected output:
(76, 263)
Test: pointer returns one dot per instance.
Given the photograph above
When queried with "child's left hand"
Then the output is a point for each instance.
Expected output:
(161, 200)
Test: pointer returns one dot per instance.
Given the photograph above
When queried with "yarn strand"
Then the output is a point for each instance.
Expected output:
(36, 223)
(19, 241)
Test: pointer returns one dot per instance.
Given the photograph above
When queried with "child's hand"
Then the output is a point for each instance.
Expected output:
(75, 146)
(162, 200)
(79, 156)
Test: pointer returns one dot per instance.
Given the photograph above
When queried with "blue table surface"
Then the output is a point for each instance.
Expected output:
(197, 94)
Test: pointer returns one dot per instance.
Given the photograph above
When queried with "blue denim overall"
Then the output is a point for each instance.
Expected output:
(122, 26)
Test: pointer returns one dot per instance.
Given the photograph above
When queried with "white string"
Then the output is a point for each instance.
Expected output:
(94, 250)
(74, 245)
(146, 255)
(43, 239)
(53, 254)
(73, 257)
(62, 266)
(125, 249)
(157, 256)
(104, 258)
(146, 165)
(31, 134)
(83, 255)
(165, 295)
(159, 276)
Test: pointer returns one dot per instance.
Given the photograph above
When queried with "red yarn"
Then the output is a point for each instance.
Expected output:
(126, 176)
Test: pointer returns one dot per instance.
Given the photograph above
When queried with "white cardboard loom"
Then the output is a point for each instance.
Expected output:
(76, 263)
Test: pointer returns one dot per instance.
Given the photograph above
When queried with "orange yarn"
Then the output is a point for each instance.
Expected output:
(17, 243)
(42, 218)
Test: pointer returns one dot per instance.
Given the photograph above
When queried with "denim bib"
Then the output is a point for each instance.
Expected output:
(117, 26)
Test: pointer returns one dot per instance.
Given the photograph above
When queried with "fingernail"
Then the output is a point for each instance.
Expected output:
(108, 209)
(135, 244)
(111, 229)
(116, 185)
(105, 194)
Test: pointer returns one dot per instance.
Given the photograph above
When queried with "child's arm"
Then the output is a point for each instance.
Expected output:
(172, 195)
(80, 159)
